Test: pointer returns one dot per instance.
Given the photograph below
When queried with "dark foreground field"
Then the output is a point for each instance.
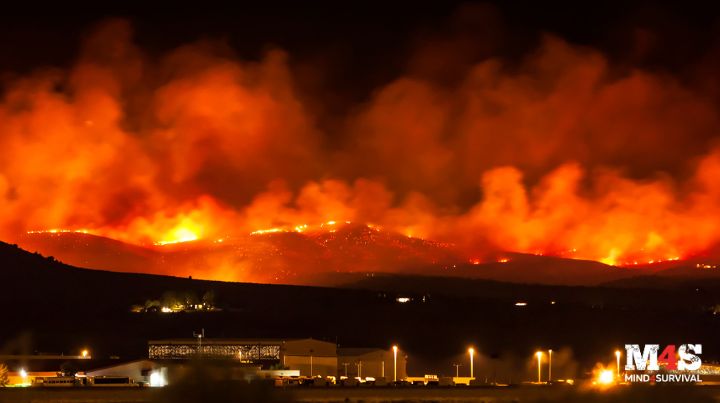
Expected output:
(695, 394)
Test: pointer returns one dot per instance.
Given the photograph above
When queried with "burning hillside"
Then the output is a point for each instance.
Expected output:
(334, 254)
(272, 256)
(562, 154)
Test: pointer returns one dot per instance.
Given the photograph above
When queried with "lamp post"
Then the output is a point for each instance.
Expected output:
(471, 351)
(345, 364)
(549, 365)
(311, 363)
(539, 358)
(457, 370)
(199, 337)
(617, 358)
(395, 350)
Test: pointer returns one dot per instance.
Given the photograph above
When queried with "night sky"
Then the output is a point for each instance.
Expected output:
(372, 40)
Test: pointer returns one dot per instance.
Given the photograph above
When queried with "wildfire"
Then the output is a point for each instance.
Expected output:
(60, 231)
(648, 261)
(212, 160)
(179, 235)
(329, 226)
(185, 231)
(268, 231)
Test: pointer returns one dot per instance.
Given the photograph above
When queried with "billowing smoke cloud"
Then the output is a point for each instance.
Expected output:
(558, 154)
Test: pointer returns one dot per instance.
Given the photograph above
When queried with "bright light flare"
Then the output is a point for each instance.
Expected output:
(603, 376)
(157, 379)
(606, 377)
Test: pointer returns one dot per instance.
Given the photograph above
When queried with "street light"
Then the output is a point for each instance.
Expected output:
(472, 355)
(549, 365)
(539, 358)
(617, 357)
(84, 353)
(395, 350)
(311, 363)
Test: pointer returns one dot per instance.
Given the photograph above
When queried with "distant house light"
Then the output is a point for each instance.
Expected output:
(521, 303)
(165, 309)
(402, 300)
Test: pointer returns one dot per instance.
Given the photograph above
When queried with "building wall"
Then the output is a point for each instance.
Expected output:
(14, 378)
(309, 346)
(296, 355)
(137, 370)
(323, 366)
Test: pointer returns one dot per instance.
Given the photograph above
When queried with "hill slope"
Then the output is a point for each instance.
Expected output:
(313, 258)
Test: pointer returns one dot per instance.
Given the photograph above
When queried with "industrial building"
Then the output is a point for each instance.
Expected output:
(308, 356)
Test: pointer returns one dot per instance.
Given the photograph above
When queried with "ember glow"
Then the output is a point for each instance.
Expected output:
(555, 157)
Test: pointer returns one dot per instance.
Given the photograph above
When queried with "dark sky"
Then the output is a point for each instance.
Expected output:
(370, 40)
